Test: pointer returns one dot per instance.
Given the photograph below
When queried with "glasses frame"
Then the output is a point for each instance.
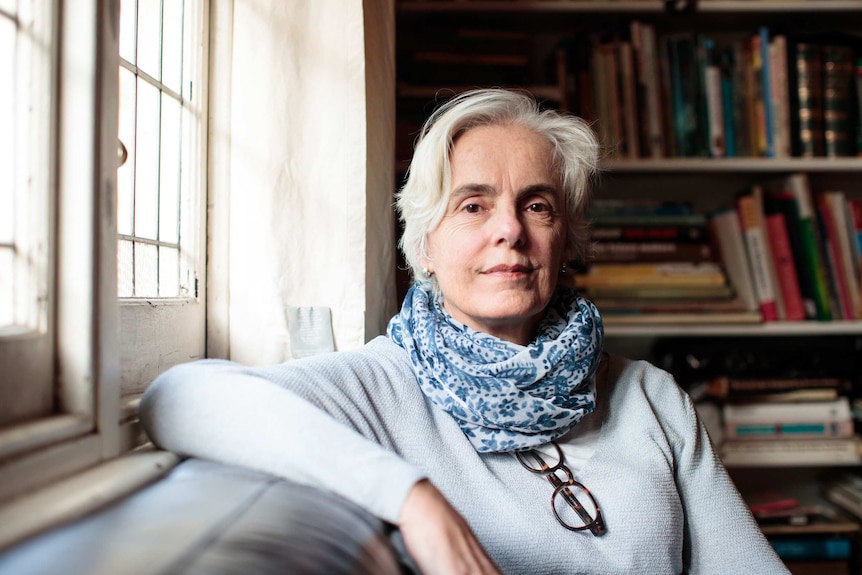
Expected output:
(595, 524)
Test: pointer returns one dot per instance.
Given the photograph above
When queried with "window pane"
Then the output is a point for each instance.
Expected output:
(149, 36)
(172, 44)
(170, 171)
(7, 131)
(128, 20)
(169, 272)
(6, 293)
(147, 161)
(126, 172)
(146, 270)
(125, 269)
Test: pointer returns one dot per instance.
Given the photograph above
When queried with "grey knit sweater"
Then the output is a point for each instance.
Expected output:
(357, 423)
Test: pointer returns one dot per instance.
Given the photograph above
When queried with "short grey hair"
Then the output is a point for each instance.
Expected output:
(422, 200)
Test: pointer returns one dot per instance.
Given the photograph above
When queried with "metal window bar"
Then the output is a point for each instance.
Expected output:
(163, 89)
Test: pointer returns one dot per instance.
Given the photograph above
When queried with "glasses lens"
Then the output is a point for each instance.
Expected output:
(575, 507)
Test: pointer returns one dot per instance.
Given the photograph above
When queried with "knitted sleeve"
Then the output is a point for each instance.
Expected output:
(721, 536)
(308, 420)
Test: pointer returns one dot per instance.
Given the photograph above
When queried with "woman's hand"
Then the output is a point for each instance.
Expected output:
(437, 537)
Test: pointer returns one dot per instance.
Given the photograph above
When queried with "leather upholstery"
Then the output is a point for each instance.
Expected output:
(204, 517)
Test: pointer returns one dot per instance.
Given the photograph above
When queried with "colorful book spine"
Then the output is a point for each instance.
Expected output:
(782, 202)
(835, 262)
(782, 257)
(813, 547)
(780, 96)
(766, 93)
(714, 100)
(813, 266)
(751, 221)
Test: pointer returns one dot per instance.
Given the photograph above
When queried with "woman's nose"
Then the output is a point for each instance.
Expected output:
(508, 227)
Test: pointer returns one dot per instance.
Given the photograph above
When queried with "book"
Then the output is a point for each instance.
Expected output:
(782, 202)
(640, 292)
(754, 232)
(845, 491)
(836, 203)
(845, 297)
(808, 99)
(766, 91)
(644, 40)
(712, 81)
(798, 412)
(651, 251)
(727, 233)
(675, 318)
(616, 229)
(812, 264)
(740, 388)
(651, 274)
(837, 103)
(785, 267)
(628, 97)
(785, 430)
(768, 452)
(813, 547)
(780, 99)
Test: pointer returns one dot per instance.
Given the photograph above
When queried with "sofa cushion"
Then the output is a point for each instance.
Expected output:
(205, 517)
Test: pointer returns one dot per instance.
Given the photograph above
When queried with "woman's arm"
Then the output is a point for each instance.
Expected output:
(721, 534)
(225, 412)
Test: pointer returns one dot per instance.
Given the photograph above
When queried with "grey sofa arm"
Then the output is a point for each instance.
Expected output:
(204, 517)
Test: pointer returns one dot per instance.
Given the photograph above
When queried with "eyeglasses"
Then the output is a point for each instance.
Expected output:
(589, 516)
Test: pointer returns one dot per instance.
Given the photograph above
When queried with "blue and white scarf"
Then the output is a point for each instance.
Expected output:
(506, 397)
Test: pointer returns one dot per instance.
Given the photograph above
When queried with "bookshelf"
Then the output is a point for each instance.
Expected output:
(528, 35)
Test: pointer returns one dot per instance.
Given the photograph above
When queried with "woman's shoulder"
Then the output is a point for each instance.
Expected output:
(631, 382)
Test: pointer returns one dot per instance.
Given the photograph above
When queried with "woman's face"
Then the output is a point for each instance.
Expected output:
(497, 252)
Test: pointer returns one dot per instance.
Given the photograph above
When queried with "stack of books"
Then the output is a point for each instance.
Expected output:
(792, 421)
(655, 262)
(797, 253)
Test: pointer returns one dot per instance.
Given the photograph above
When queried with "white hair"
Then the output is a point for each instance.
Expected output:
(422, 200)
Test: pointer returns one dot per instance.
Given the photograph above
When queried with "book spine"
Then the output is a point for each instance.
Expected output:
(785, 268)
(798, 185)
(813, 548)
(646, 251)
(766, 80)
(786, 430)
(714, 101)
(791, 412)
(603, 230)
(837, 203)
(809, 92)
(655, 129)
(843, 500)
(631, 139)
(829, 236)
(780, 98)
(837, 77)
(755, 241)
(727, 232)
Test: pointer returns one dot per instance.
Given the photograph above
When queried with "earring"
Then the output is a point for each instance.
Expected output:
(428, 273)
(563, 268)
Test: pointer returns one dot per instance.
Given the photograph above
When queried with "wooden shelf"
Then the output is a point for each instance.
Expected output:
(748, 165)
(530, 6)
(778, 328)
(779, 6)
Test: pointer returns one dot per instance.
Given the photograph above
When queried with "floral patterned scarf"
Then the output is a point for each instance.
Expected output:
(506, 397)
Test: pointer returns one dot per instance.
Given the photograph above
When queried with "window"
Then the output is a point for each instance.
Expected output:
(160, 187)
(67, 229)
(27, 50)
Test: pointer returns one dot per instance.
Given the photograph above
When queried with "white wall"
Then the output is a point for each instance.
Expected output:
(301, 180)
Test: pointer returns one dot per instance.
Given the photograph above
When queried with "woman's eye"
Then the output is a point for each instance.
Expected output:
(538, 207)
(472, 208)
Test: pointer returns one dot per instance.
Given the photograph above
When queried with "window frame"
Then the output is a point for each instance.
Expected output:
(84, 430)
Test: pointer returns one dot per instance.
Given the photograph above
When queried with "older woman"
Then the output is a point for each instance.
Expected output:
(488, 425)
